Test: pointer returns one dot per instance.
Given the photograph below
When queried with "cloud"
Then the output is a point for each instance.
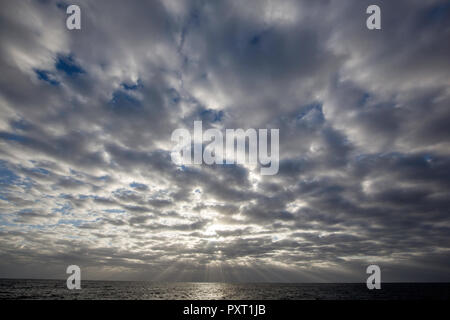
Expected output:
(86, 120)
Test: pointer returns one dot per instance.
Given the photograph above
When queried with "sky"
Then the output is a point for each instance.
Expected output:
(86, 118)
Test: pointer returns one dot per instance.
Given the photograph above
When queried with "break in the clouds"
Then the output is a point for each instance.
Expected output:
(86, 118)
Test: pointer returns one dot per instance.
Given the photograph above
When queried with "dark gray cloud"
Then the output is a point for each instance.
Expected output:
(86, 120)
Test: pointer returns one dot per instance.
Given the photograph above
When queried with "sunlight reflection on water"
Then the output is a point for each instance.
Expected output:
(56, 289)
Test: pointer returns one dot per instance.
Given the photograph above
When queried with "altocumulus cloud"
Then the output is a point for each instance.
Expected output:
(86, 119)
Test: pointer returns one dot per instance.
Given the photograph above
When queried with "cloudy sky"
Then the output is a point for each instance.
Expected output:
(86, 119)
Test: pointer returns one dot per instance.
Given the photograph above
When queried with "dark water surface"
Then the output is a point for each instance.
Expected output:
(56, 289)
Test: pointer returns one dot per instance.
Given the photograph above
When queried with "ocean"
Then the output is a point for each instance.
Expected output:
(141, 290)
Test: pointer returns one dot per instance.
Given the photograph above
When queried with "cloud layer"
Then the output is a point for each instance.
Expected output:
(86, 120)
